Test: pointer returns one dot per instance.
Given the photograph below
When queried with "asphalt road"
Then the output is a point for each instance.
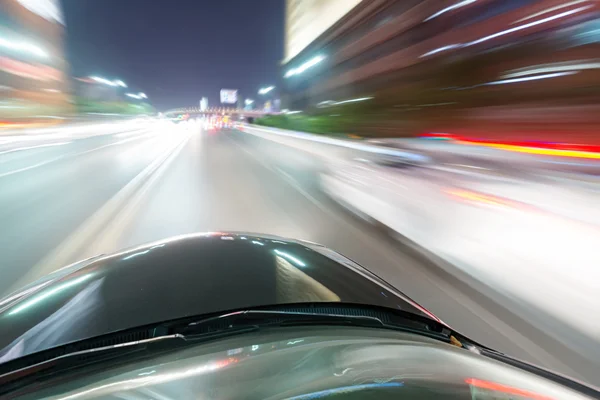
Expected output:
(78, 197)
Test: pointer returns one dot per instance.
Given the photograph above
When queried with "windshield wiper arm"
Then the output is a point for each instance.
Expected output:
(280, 318)
(262, 318)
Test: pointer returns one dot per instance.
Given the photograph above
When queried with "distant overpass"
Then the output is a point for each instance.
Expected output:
(220, 111)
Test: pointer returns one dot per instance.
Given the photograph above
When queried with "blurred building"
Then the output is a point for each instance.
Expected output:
(33, 71)
(204, 104)
(518, 68)
(307, 19)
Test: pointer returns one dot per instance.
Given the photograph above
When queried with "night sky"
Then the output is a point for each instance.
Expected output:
(177, 51)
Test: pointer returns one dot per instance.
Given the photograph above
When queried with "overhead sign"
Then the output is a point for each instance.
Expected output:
(228, 96)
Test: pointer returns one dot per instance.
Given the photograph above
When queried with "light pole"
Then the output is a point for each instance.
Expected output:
(266, 90)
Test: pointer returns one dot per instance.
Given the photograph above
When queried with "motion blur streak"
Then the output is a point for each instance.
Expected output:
(558, 7)
(554, 68)
(451, 147)
(548, 149)
(453, 7)
(480, 198)
(542, 151)
(532, 78)
(528, 25)
(496, 387)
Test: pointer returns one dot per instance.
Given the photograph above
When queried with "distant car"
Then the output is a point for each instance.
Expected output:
(234, 315)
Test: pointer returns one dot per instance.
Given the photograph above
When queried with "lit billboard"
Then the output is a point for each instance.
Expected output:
(228, 96)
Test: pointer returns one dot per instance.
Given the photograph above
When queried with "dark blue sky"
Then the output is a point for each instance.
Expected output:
(177, 51)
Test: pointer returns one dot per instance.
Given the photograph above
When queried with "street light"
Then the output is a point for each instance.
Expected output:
(266, 90)
(138, 96)
(108, 82)
(310, 63)
(103, 81)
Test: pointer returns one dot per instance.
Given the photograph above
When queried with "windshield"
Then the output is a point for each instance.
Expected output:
(308, 363)
(439, 158)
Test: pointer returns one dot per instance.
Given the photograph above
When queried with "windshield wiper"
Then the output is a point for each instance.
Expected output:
(263, 318)
(281, 317)
(170, 336)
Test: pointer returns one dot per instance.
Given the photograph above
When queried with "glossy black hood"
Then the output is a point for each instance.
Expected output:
(180, 277)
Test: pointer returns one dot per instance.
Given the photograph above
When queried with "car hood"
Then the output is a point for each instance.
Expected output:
(181, 277)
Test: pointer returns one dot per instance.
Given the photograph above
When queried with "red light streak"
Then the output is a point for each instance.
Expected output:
(497, 387)
(540, 148)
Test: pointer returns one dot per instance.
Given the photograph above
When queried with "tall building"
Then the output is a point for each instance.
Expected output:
(34, 76)
(409, 66)
(204, 104)
(307, 19)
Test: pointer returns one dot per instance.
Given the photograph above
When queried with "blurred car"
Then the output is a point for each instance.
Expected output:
(243, 316)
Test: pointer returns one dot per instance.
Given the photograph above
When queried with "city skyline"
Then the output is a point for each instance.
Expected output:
(142, 52)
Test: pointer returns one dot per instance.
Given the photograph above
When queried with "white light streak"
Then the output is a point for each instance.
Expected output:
(548, 68)
(44, 295)
(103, 81)
(312, 62)
(572, 3)
(444, 48)
(136, 254)
(532, 78)
(450, 8)
(353, 100)
(290, 258)
(266, 90)
(23, 46)
(529, 25)
(507, 31)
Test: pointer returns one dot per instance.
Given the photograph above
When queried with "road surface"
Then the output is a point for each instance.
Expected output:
(69, 198)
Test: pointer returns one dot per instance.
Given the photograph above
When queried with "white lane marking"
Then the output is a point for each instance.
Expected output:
(69, 155)
(68, 250)
(109, 236)
(30, 167)
(296, 185)
(34, 147)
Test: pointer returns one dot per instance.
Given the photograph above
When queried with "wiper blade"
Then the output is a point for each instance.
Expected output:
(280, 317)
(261, 318)
(182, 332)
